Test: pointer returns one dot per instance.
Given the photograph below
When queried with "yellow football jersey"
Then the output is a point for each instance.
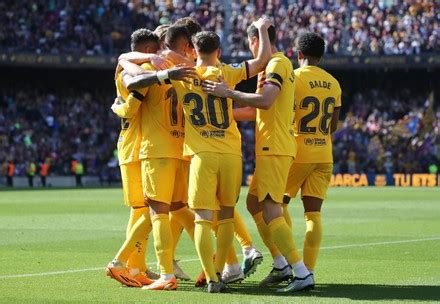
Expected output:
(130, 135)
(317, 93)
(273, 134)
(162, 122)
(209, 123)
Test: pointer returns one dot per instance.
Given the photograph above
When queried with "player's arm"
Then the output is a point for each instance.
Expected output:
(176, 58)
(264, 51)
(244, 114)
(335, 119)
(181, 73)
(263, 100)
(128, 108)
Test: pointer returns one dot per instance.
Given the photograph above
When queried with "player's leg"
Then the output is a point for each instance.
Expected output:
(128, 266)
(252, 256)
(281, 269)
(180, 212)
(159, 188)
(313, 193)
(202, 199)
(272, 174)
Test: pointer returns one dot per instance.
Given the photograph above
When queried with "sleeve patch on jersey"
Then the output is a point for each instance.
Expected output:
(271, 82)
(275, 76)
(137, 95)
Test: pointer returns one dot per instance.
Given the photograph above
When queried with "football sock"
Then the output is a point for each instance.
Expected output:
(137, 257)
(225, 236)
(163, 243)
(136, 243)
(312, 239)
(286, 215)
(279, 262)
(135, 214)
(283, 239)
(205, 251)
(176, 232)
(231, 258)
(300, 269)
(241, 232)
(186, 218)
(264, 232)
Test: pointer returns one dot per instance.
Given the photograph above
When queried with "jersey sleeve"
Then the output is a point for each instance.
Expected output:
(275, 73)
(234, 73)
(128, 108)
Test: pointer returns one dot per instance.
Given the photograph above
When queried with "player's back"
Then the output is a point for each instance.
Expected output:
(209, 122)
(274, 125)
(130, 135)
(162, 122)
(317, 93)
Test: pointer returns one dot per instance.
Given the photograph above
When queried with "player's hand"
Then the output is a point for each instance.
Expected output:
(219, 89)
(263, 23)
(159, 62)
(182, 73)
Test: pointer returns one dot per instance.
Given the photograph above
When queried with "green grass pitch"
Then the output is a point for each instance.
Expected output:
(380, 244)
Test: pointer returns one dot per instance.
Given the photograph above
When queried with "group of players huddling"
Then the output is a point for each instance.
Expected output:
(180, 154)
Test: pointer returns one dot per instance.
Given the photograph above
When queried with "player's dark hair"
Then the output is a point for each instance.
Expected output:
(206, 42)
(252, 31)
(192, 25)
(142, 35)
(311, 44)
(175, 32)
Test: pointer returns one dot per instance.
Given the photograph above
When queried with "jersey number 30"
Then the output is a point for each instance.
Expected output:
(326, 109)
(216, 110)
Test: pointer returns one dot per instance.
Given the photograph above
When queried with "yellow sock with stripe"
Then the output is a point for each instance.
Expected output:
(136, 240)
(176, 232)
(163, 243)
(312, 241)
(241, 232)
(283, 239)
(264, 232)
(137, 257)
(225, 236)
(286, 215)
(205, 251)
(186, 218)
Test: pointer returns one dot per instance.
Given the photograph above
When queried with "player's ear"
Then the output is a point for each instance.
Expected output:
(194, 52)
(219, 53)
(300, 55)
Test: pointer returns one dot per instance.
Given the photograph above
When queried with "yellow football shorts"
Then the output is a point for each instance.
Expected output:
(165, 180)
(214, 180)
(312, 179)
(131, 175)
(270, 177)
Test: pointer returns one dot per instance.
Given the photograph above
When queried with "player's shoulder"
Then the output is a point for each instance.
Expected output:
(148, 66)
(278, 61)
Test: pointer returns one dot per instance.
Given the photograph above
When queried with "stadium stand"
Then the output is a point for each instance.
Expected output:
(72, 121)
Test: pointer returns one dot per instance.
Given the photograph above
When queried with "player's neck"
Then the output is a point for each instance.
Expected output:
(273, 49)
(308, 62)
(207, 61)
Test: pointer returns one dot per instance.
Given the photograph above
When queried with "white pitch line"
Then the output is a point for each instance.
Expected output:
(28, 275)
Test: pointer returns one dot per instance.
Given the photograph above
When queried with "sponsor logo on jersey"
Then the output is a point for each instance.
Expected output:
(211, 134)
(315, 141)
(236, 65)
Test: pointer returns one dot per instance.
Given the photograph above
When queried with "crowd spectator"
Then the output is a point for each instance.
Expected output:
(291, 18)
(93, 27)
(394, 27)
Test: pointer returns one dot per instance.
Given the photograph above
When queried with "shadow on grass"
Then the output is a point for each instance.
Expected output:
(342, 291)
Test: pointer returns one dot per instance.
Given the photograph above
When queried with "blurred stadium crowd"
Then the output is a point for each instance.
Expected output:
(94, 27)
(58, 125)
(382, 132)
